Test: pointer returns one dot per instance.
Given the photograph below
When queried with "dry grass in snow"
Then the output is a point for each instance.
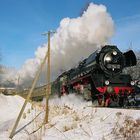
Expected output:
(71, 118)
(128, 130)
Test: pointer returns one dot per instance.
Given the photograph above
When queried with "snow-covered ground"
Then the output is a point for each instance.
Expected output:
(70, 118)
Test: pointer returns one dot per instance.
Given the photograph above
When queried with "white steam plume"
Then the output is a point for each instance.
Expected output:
(74, 39)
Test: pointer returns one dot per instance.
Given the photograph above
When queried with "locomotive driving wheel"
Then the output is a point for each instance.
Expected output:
(114, 101)
(101, 100)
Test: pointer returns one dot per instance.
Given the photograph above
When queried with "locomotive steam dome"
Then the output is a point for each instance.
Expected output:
(111, 60)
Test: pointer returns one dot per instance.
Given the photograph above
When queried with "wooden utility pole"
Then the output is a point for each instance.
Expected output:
(28, 96)
(48, 89)
(33, 86)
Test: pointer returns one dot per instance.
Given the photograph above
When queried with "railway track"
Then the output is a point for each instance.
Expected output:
(128, 107)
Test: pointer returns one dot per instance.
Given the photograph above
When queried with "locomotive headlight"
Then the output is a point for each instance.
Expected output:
(132, 83)
(114, 53)
(108, 59)
(106, 82)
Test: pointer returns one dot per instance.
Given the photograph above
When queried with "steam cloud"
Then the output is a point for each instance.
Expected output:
(74, 40)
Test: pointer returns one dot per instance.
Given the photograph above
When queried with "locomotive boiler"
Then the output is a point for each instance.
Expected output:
(99, 77)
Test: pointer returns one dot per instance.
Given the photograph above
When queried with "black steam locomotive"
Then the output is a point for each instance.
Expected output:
(99, 77)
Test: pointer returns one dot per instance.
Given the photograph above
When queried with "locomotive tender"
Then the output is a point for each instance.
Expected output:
(99, 77)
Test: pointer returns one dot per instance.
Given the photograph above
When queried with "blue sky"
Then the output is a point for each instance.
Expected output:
(23, 21)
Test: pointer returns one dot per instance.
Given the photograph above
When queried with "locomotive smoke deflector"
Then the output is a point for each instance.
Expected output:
(130, 58)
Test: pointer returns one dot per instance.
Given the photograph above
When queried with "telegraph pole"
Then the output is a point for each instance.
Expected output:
(48, 81)
(32, 88)
(48, 89)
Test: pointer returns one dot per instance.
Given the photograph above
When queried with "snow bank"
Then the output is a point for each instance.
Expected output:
(70, 118)
(73, 118)
(9, 106)
(9, 110)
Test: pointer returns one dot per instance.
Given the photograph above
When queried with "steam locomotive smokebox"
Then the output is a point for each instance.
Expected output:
(111, 60)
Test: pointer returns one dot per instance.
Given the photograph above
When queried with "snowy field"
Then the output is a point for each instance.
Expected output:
(70, 118)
